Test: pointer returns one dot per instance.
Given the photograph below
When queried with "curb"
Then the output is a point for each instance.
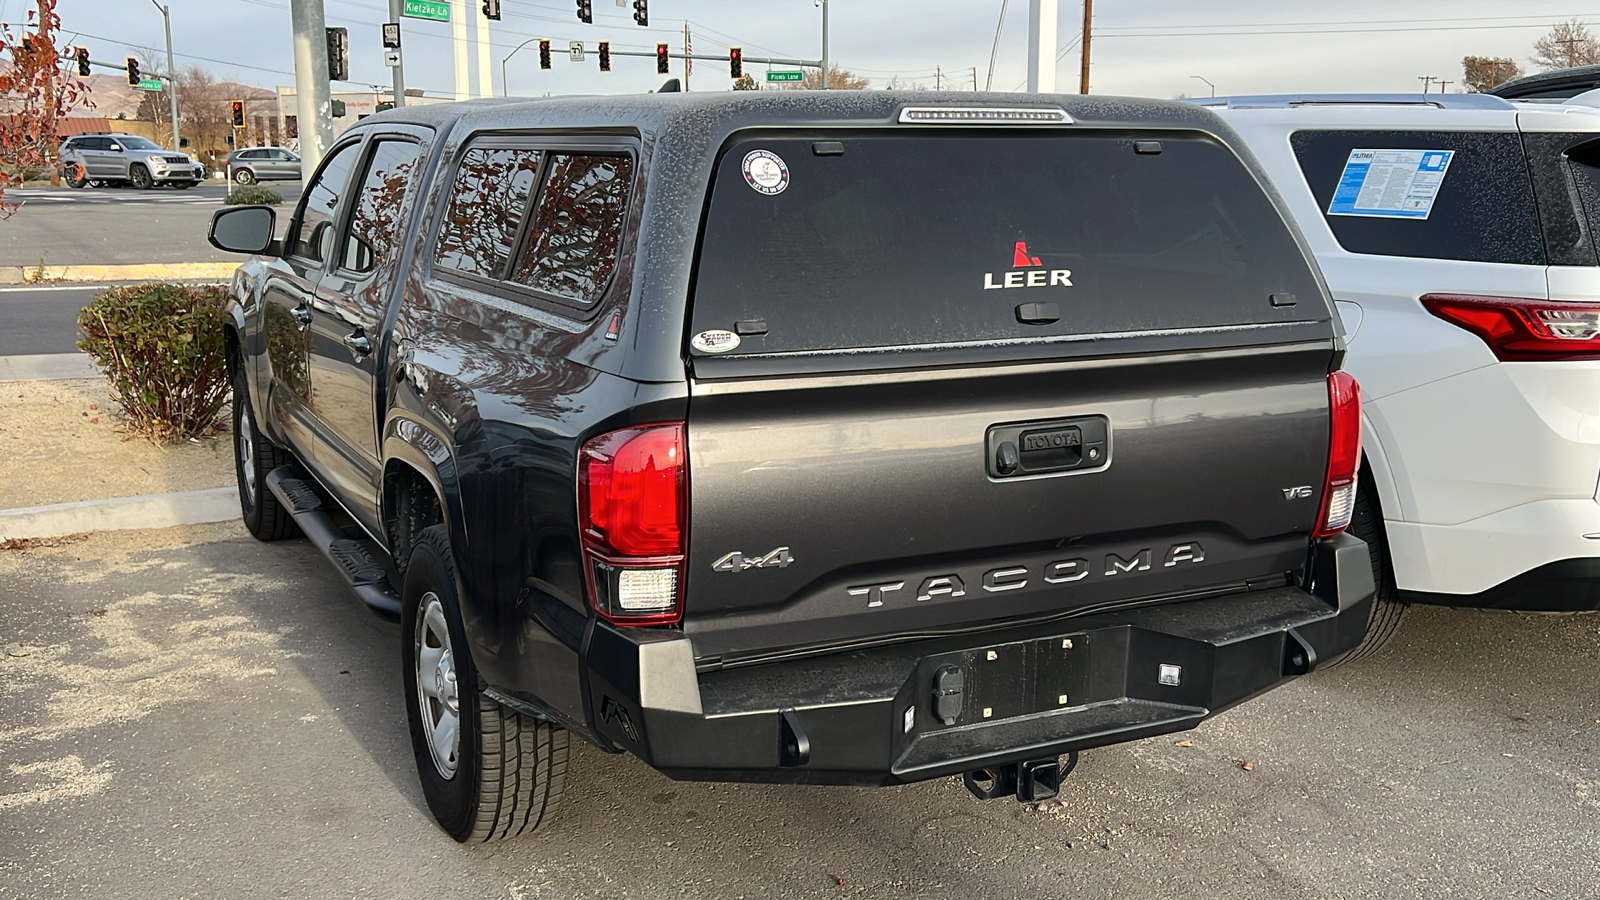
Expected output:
(47, 367)
(134, 272)
(120, 513)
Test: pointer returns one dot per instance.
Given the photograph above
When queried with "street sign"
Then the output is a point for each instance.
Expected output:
(391, 58)
(436, 10)
(391, 35)
(575, 51)
(785, 76)
(149, 84)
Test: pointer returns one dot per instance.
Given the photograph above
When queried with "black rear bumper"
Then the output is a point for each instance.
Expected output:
(870, 716)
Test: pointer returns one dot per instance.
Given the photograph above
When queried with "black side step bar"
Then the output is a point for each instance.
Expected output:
(365, 574)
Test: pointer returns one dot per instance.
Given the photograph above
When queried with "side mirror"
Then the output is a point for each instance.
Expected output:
(116, 147)
(243, 229)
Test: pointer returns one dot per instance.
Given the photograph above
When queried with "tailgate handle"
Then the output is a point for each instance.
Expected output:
(1075, 445)
(1038, 313)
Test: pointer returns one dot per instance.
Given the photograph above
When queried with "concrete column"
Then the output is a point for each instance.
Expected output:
(1042, 46)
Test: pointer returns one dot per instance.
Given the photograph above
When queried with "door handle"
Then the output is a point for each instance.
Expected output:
(302, 315)
(358, 343)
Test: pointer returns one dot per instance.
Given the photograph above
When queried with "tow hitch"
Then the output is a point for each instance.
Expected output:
(1030, 781)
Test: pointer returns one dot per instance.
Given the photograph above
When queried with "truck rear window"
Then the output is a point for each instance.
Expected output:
(914, 239)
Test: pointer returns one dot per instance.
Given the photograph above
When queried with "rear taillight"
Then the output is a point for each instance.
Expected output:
(1523, 330)
(633, 493)
(1344, 455)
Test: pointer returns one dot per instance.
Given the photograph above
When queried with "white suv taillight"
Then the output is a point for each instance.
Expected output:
(1344, 455)
(1523, 330)
(633, 503)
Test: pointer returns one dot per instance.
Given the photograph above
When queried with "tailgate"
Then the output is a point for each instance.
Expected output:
(943, 379)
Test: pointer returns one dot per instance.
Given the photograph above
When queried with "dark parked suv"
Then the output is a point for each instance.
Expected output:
(821, 438)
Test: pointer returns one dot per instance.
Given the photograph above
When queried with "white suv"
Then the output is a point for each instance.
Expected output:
(1458, 235)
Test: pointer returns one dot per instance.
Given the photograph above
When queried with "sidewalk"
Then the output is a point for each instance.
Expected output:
(60, 453)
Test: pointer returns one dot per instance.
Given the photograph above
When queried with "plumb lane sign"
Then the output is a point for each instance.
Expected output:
(785, 76)
(427, 9)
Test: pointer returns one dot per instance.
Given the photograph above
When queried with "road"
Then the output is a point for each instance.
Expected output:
(65, 227)
(42, 318)
(195, 714)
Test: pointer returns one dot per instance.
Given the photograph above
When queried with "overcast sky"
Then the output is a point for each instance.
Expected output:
(1141, 47)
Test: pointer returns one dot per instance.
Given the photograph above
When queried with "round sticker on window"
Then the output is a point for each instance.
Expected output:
(765, 172)
(715, 341)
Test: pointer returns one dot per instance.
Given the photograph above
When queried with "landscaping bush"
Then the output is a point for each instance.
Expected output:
(252, 195)
(161, 346)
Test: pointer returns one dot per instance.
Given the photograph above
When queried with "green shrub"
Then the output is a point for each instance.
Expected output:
(161, 346)
(253, 194)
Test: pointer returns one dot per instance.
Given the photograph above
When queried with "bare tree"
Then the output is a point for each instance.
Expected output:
(1480, 73)
(34, 94)
(153, 105)
(1568, 44)
(838, 80)
(746, 83)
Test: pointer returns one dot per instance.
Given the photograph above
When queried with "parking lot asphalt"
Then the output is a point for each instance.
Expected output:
(65, 227)
(190, 713)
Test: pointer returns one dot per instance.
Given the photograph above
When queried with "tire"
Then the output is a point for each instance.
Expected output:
(182, 185)
(254, 457)
(1388, 609)
(140, 176)
(496, 773)
(75, 176)
(244, 176)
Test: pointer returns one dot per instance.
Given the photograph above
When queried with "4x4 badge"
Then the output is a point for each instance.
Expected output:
(738, 562)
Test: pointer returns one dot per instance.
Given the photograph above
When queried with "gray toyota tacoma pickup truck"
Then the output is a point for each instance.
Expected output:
(828, 438)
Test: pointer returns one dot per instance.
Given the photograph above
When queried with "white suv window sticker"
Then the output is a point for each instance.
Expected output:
(1390, 184)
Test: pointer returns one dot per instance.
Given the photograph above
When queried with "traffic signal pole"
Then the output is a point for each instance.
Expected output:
(1042, 47)
(172, 74)
(312, 104)
(399, 73)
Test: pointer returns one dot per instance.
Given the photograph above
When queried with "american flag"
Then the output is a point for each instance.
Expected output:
(688, 48)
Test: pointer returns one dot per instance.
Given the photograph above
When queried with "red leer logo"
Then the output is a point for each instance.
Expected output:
(1027, 271)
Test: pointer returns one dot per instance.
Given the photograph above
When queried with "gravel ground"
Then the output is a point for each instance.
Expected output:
(190, 713)
(62, 441)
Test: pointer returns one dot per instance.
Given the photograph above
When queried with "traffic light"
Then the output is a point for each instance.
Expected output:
(641, 13)
(82, 56)
(133, 71)
(661, 59)
(586, 12)
(491, 9)
(385, 106)
(605, 56)
(544, 54)
(236, 113)
(338, 54)
(735, 62)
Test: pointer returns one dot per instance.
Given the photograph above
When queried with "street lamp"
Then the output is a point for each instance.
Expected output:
(1208, 84)
(505, 86)
(172, 84)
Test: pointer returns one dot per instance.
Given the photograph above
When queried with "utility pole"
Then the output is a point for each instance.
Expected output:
(938, 79)
(1442, 85)
(172, 73)
(1042, 46)
(311, 82)
(974, 79)
(995, 50)
(399, 74)
(458, 40)
(824, 44)
(1426, 80)
(1088, 20)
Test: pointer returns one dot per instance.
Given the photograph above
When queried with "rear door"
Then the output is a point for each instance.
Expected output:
(943, 378)
(348, 312)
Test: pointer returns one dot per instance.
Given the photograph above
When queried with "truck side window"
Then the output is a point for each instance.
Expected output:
(381, 208)
(487, 203)
(313, 236)
(572, 243)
